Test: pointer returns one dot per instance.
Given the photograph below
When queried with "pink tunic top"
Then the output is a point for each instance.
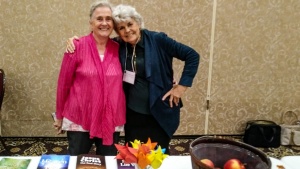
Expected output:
(90, 92)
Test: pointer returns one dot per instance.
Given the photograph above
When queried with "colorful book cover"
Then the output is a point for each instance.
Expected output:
(122, 165)
(13, 163)
(54, 162)
(90, 161)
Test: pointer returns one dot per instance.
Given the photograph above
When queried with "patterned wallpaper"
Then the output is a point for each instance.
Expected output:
(256, 63)
(249, 59)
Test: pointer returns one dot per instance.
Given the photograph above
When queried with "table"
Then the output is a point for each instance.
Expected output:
(289, 162)
(173, 162)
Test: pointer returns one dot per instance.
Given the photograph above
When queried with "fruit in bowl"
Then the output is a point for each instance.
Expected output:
(208, 162)
(234, 164)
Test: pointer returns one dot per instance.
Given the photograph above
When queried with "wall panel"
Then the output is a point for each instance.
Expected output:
(256, 58)
(33, 38)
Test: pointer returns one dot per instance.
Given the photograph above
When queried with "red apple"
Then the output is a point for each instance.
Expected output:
(234, 164)
(208, 162)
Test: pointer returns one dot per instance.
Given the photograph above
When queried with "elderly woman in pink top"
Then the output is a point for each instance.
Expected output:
(90, 103)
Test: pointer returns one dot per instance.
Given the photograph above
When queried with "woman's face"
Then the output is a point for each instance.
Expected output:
(101, 22)
(129, 31)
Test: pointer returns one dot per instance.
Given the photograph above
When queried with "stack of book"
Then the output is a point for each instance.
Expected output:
(52, 161)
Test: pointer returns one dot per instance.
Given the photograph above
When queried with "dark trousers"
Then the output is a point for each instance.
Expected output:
(80, 143)
(143, 126)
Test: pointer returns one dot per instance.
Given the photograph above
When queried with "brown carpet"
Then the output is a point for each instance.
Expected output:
(36, 146)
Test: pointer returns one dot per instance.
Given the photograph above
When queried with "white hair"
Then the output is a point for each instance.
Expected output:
(123, 13)
(97, 4)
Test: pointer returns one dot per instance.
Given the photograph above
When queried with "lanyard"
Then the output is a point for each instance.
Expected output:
(133, 59)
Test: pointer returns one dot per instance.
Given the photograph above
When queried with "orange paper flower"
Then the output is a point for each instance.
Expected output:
(142, 154)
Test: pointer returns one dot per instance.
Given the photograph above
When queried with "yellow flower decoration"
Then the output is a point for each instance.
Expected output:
(156, 157)
(145, 154)
(136, 144)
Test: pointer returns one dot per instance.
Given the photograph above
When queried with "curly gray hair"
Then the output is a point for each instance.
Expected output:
(123, 13)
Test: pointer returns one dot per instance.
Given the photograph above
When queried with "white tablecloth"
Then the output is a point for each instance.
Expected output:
(288, 162)
(171, 162)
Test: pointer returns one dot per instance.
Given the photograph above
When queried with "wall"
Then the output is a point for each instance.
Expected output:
(249, 59)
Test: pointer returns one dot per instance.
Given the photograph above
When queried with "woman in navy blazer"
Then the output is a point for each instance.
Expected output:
(153, 101)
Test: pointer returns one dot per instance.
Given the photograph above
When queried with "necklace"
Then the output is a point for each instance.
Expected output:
(133, 56)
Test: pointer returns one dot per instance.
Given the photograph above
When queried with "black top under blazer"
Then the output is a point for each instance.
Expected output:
(159, 53)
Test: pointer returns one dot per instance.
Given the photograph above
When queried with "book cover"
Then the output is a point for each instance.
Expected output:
(122, 165)
(54, 162)
(13, 163)
(90, 161)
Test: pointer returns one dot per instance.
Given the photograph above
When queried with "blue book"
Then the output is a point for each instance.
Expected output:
(54, 161)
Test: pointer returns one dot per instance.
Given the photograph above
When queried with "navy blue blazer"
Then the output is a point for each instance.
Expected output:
(159, 53)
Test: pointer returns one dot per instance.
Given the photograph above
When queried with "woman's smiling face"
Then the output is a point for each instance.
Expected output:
(101, 22)
(129, 31)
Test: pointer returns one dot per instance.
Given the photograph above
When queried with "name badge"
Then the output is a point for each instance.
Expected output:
(129, 77)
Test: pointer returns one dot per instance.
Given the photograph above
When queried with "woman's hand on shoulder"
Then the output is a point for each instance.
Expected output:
(70, 44)
(175, 94)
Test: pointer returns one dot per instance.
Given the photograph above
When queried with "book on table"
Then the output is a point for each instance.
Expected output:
(90, 161)
(122, 165)
(52, 161)
(14, 163)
